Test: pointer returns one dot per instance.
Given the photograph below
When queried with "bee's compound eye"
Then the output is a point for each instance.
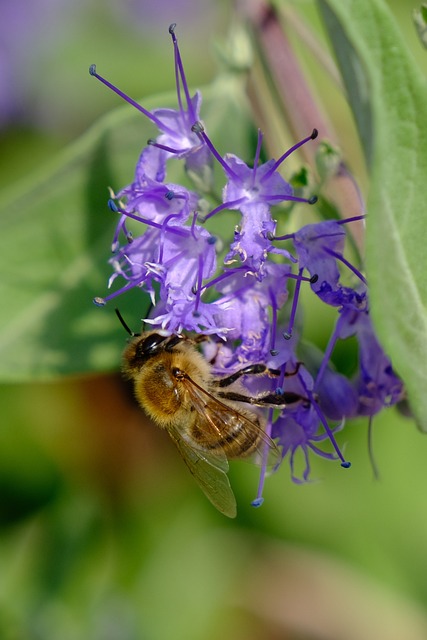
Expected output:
(151, 343)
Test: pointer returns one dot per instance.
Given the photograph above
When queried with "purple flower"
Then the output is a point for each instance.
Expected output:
(150, 166)
(132, 264)
(303, 423)
(187, 260)
(319, 247)
(168, 204)
(337, 395)
(251, 310)
(376, 383)
(251, 244)
(183, 315)
(236, 287)
(177, 138)
(178, 257)
(297, 431)
(252, 191)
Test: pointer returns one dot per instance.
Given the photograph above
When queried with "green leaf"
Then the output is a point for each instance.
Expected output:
(388, 96)
(419, 17)
(57, 232)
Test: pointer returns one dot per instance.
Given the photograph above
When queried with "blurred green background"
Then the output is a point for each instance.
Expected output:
(103, 533)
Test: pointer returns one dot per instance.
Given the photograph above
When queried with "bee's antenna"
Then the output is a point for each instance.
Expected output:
(125, 325)
(150, 306)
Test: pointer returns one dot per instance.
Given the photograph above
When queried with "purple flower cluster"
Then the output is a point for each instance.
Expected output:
(248, 294)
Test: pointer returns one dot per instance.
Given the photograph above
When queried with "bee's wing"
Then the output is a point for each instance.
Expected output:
(225, 422)
(211, 478)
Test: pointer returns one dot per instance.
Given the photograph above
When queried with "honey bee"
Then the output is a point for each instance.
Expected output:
(202, 413)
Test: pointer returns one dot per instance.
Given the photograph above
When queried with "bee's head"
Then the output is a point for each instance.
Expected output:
(146, 346)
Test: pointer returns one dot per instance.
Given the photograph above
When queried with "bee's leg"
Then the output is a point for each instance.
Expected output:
(250, 370)
(254, 369)
(269, 399)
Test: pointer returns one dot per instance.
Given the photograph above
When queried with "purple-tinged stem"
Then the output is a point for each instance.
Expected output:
(296, 101)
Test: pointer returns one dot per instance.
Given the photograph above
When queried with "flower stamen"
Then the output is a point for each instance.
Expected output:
(126, 98)
(258, 501)
(287, 153)
(288, 334)
(180, 232)
(344, 463)
(348, 264)
(163, 147)
(256, 159)
(180, 74)
(199, 129)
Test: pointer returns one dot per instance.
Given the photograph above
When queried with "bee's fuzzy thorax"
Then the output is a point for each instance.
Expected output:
(157, 389)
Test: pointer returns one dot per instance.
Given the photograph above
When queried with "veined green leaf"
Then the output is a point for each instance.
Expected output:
(388, 96)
